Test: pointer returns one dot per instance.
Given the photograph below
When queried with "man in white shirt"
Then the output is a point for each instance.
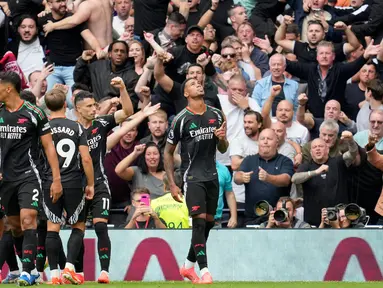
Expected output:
(233, 106)
(295, 131)
(29, 53)
(122, 7)
(284, 147)
(247, 144)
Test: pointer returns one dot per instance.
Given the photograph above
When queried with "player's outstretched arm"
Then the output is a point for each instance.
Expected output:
(127, 106)
(50, 152)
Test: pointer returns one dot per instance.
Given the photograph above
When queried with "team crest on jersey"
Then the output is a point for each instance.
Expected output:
(22, 120)
(212, 121)
(103, 122)
(171, 134)
(94, 131)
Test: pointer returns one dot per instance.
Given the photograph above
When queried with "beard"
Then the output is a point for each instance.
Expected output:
(29, 41)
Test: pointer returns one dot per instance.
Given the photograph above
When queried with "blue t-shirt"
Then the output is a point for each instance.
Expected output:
(224, 178)
(257, 190)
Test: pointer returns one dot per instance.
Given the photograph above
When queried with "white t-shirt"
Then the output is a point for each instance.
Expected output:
(243, 146)
(30, 57)
(297, 132)
(235, 130)
(234, 123)
(118, 25)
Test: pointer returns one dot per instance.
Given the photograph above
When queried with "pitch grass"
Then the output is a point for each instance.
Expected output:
(238, 285)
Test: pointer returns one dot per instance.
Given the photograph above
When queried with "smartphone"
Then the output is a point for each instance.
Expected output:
(48, 61)
(145, 198)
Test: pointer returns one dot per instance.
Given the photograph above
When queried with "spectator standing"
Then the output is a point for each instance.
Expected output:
(375, 128)
(26, 46)
(328, 132)
(149, 171)
(327, 80)
(289, 89)
(324, 178)
(355, 92)
(122, 8)
(374, 98)
(332, 112)
(98, 73)
(158, 125)
(64, 46)
(266, 175)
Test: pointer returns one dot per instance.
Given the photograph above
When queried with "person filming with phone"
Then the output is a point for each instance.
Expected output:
(283, 216)
(144, 217)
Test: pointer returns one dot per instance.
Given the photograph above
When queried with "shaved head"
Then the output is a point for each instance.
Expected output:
(285, 112)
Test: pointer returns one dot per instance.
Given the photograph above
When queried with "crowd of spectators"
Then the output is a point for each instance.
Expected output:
(299, 83)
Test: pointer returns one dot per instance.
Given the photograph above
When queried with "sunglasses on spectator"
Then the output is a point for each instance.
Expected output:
(229, 55)
(377, 122)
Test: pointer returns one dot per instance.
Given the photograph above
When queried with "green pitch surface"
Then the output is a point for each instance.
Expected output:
(238, 285)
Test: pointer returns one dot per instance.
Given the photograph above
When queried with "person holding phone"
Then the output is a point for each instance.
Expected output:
(144, 217)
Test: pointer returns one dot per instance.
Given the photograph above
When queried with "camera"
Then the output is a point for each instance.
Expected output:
(262, 208)
(332, 213)
(282, 214)
(354, 213)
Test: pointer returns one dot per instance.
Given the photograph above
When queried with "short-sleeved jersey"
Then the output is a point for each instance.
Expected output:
(20, 133)
(198, 142)
(97, 135)
(67, 136)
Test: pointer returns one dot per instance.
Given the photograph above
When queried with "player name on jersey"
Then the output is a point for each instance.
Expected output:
(65, 130)
(12, 132)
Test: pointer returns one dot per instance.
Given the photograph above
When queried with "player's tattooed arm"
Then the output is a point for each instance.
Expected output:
(50, 152)
(169, 169)
(220, 133)
(127, 106)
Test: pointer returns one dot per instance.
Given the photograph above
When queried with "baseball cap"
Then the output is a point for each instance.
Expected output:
(194, 28)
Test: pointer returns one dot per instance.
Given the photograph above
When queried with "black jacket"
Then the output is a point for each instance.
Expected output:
(336, 81)
(98, 74)
(374, 27)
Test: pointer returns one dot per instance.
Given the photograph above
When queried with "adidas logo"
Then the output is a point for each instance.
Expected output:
(192, 126)
(105, 213)
(26, 260)
(35, 204)
(200, 253)
(104, 257)
(1, 120)
(40, 255)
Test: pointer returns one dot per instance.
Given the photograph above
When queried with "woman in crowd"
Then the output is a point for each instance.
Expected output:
(149, 171)
(136, 50)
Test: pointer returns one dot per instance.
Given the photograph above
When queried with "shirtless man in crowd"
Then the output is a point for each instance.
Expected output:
(97, 13)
